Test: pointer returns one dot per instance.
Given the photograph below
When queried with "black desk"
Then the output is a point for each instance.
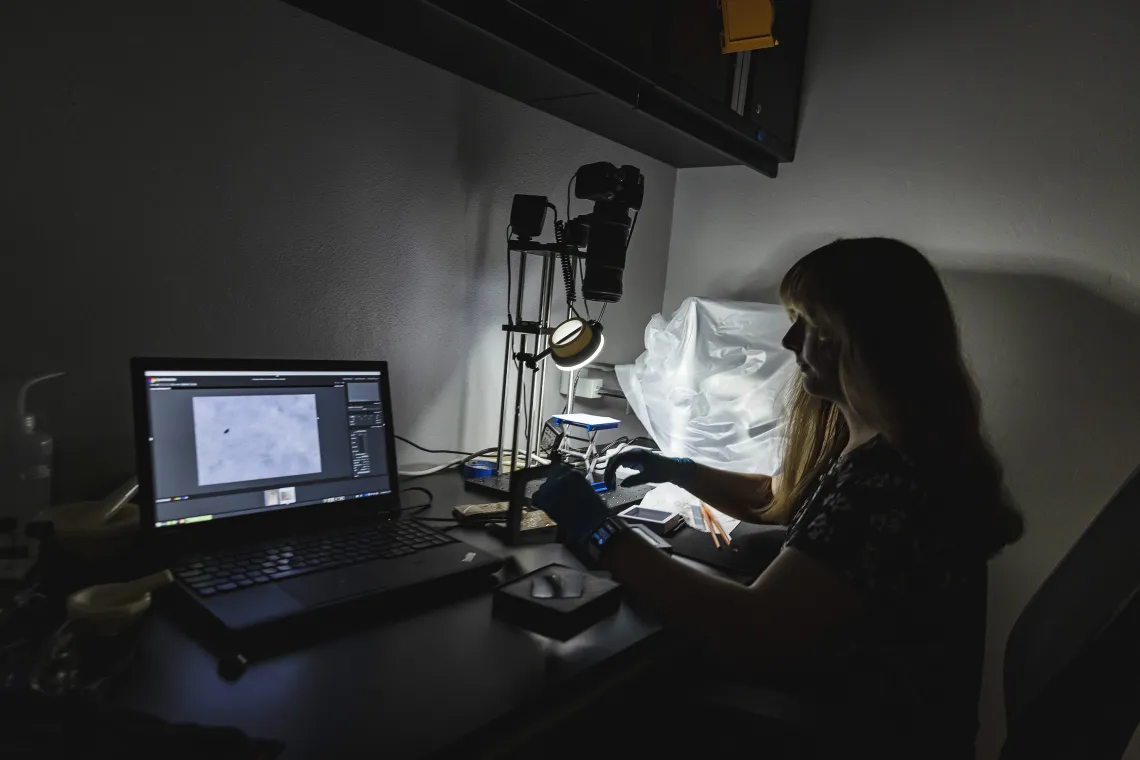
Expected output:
(402, 688)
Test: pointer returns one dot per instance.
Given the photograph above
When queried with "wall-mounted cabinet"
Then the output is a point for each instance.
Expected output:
(648, 74)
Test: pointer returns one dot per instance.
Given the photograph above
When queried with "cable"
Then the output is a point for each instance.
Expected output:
(572, 389)
(582, 271)
(446, 465)
(527, 397)
(510, 321)
(615, 442)
(409, 474)
(466, 520)
(418, 507)
(415, 445)
(567, 264)
(602, 314)
(569, 182)
(480, 453)
(431, 470)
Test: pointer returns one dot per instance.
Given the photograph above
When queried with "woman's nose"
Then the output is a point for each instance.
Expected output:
(793, 338)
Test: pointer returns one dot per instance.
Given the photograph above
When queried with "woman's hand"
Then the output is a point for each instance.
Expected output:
(737, 494)
(572, 503)
(651, 468)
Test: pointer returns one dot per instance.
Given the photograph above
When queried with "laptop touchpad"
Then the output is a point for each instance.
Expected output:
(321, 588)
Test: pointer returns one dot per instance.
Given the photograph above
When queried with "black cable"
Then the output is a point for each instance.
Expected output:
(582, 271)
(479, 453)
(526, 417)
(425, 449)
(569, 182)
(418, 507)
(477, 525)
(466, 520)
(567, 264)
(611, 444)
(603, 312)
(509, 320)
(632, 224)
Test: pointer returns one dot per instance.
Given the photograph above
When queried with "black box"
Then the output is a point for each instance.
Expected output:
(528, 216)
(557, 618)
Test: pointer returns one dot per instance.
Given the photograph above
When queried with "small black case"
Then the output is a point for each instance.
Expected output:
(557, 618)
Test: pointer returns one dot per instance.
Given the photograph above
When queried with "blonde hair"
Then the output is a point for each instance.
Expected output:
(902, 371)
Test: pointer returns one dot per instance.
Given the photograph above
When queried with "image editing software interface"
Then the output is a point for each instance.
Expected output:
(228, 443)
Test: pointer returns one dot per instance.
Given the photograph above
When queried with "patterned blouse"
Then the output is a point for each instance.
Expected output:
(907, 682)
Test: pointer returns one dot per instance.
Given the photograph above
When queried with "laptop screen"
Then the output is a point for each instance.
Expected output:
(228, 443)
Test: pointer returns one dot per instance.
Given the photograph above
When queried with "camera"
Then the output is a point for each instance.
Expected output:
(606, 231)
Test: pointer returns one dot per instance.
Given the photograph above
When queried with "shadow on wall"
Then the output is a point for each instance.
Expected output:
(762, 285)
(229, 213)
(1058, 368)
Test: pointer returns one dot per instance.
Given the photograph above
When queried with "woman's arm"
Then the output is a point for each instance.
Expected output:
(740, 495)
(737, 494)
(792, 610)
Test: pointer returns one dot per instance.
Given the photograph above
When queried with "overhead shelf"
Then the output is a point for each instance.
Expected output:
(616, 92)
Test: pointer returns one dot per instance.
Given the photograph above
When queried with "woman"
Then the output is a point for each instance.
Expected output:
(893, 502)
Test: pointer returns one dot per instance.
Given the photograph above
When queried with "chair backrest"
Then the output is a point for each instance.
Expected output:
(1072, 662)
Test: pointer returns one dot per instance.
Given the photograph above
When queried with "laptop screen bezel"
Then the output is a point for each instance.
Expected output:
(384, 505)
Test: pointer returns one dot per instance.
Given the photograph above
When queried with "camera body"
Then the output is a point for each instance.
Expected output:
(605, 232)
(603, 182)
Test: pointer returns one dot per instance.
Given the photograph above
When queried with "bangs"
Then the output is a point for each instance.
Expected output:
(801, 291)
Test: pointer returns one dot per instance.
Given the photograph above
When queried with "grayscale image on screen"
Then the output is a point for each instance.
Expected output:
(241, 438)
(363, 392)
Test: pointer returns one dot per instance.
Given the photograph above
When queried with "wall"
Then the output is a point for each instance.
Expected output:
(242, 179)
(1000, 137)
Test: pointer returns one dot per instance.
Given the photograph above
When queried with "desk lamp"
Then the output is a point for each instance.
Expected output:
(573, 344)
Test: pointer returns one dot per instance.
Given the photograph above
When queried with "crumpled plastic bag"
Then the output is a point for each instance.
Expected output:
(708, 387)
(710, 382)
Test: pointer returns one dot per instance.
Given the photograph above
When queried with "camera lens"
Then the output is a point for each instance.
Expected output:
(605, 260)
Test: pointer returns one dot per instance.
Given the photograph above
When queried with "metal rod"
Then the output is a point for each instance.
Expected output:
(544, 342)
(518, 366)
(503, 399)
(532, 426)
(570, 378)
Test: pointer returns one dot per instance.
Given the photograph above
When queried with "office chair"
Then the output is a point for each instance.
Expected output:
(1072, 662)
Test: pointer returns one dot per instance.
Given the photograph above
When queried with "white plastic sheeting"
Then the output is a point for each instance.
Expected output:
(710, 382)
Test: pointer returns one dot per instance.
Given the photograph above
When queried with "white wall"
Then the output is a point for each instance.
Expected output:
(1001, 138)
(238, 178)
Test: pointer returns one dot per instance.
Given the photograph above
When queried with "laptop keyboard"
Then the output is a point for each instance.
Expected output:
(223, 572)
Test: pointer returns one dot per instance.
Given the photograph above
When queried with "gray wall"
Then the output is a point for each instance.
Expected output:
(1001, 138)
(237, 178)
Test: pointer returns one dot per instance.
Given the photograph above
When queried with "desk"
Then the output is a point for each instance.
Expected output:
(402, 688)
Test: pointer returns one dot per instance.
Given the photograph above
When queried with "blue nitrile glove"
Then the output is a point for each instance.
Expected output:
(651, 468)
(572, 503)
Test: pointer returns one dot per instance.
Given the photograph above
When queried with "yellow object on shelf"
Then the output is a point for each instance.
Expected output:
(747, 25)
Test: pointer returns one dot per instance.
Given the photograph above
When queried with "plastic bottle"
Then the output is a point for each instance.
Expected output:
(25, 484)
(25, 487)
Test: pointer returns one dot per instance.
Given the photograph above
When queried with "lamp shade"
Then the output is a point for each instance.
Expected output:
(575, 343)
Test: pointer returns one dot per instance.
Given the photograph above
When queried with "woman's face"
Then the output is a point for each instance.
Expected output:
(817, 355)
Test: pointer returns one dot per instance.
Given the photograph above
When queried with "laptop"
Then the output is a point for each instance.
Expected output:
(272, 487)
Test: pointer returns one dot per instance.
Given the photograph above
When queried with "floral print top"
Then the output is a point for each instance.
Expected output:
(907, 682)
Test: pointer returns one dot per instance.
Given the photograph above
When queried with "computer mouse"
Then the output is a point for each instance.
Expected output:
(231, 667)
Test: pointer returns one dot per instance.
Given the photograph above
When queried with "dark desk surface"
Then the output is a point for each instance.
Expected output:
(400, 688)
